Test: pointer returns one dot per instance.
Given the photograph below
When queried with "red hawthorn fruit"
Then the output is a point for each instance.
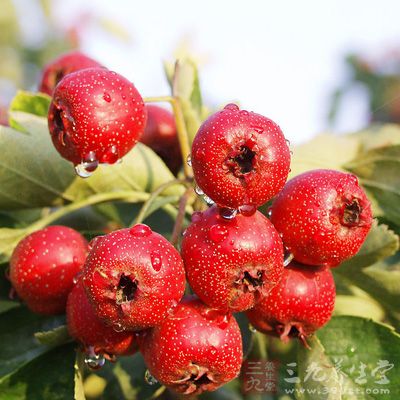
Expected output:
(161, 136)
(96, 116)
(43, 266)
(133, 277)
(194, 350)
(84, 326)
(323, 216)
(298, 305)
(240, 158)
(230, 263)
(63, 65)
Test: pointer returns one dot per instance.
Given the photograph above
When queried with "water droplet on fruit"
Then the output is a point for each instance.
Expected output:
(94, 361)
(196, 216)
(107, 97)
(287, 257)
(247, 210)
(156, 261)
(217, 233)
(287, 142)
(95, 241)
(198, 191)
(111, 155)
(118, 327)
(244, 113)
(232, 107)
(88, 165)
(149, 378)
(258, 129)
(269, 212)
(209, 201)
(227, 213)
(189, 160)
(140, 230)
(252, 329)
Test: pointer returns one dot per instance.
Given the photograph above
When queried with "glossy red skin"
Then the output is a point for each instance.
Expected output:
(99, 109)
(194, 334)
(301, 303)
(219, 139)
(161, 136)
(308, 215)
(84, 326)
(213, 262)
(63, 65)
(133, 255)
(43, 266)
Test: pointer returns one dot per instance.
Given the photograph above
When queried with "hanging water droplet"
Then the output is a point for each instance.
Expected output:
(269, 212)
(198, 191)
(110, 156)
(156, 260)
(287, 257)
(94, 361)
(140, 230)
(118, 327)
(107, 97)
(232, 107)
(248, 210)
(227, 213)
(189, 160)
(287, 142)
(209, 201)
(218, 233)
(87, 166)
(252, 329)
(149, 378)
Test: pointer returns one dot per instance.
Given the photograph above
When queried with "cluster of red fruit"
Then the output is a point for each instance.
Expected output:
(129, 292)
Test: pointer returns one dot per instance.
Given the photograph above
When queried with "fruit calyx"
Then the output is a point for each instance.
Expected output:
(126, 289)
(351, 213)
(241, 161)
(250, 281)
(292, 330)
(197, 379)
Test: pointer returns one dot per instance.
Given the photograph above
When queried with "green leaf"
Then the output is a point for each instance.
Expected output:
(54, 337)
(8, 240)
(378, 135)
(32, 173)
(309, 388)
(356, 346)
(183, 77)
(371, 269)
(324, 151)
(17, 328)
(30, 103)
(48, 377)
(378, 171)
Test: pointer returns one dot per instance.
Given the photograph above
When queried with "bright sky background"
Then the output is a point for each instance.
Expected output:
(278, 58)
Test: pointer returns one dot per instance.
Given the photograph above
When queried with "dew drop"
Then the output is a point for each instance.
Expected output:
(287, 142)
(107, 97)
(248, 210)
(198, 191)
(149, 378)
(217, 233)
(209, 201)
(232, 107)
(189, 160)
(94, 361)
(287, 258)
(252, 329)
(95, 241)
(118, 327)
(87, 166)
(196, 216)
(140, 230)
(156, 260)
(258, 129)
(227, 213)
(244, 113)
(110, 156)
(269, 212)
(351, 351)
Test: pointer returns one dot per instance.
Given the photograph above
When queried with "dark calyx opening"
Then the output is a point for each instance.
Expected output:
(58, 120)
(203, 380)
(294, 332)
(241, 161)
(351, 213)
(126, 289)
(253, 281)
